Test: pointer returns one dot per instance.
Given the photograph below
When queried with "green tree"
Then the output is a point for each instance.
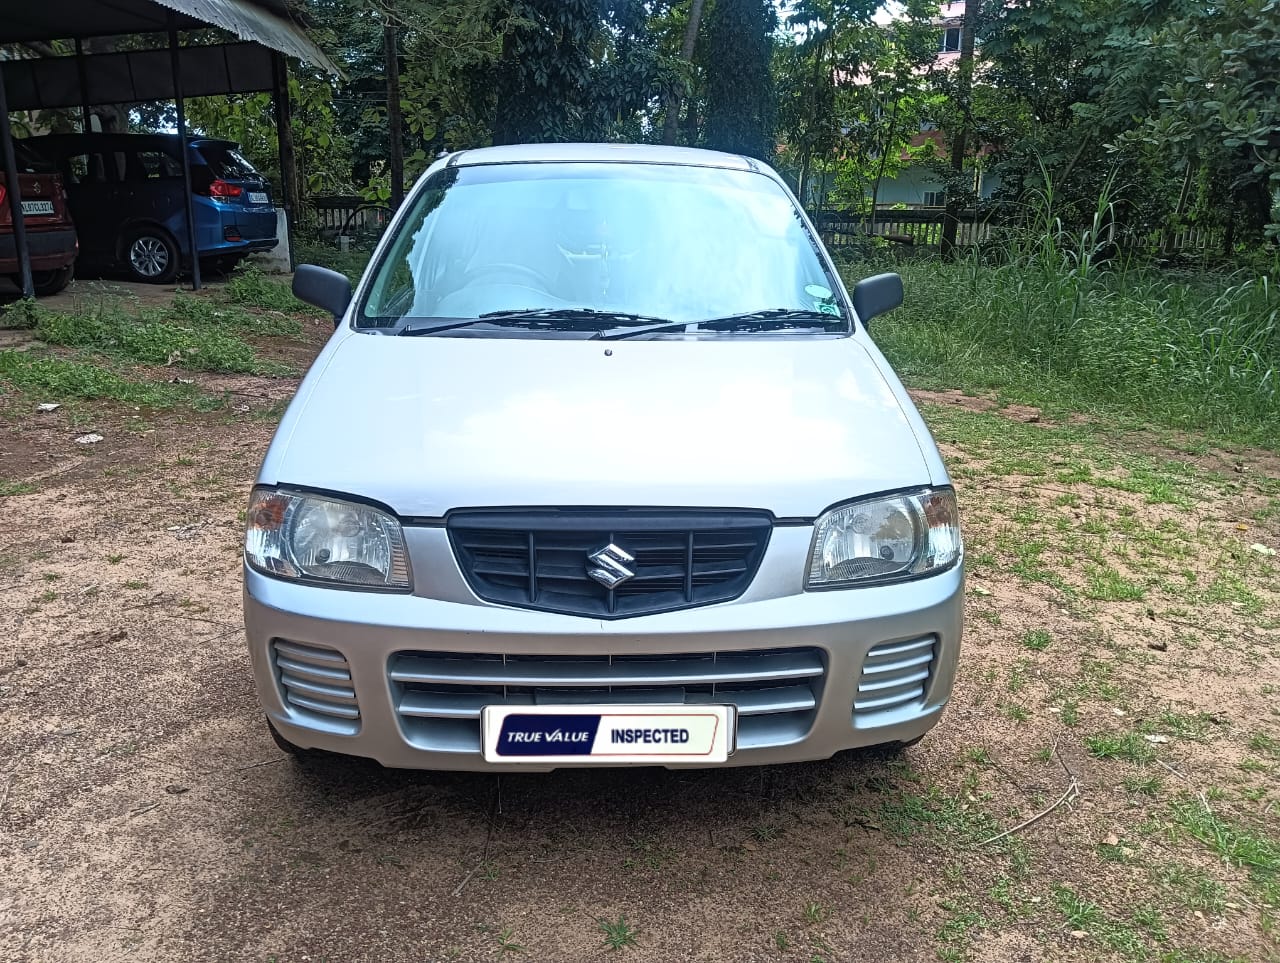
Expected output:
(741, 100)
(852, 94)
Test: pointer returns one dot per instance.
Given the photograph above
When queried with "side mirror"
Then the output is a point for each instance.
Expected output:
(324, 288)
(877, 295)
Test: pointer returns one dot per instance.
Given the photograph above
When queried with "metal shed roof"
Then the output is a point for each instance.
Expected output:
(267, 22)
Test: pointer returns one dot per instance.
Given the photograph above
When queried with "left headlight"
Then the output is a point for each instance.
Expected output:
(887, 539)
(295, 535)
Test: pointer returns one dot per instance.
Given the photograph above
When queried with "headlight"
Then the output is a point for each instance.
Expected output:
(887, 539)
(309, 537)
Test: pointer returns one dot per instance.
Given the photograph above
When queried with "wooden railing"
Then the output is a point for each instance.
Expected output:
(337, 214)
(917, 227)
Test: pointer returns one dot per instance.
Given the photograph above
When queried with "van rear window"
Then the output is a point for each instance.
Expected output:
(226, 163)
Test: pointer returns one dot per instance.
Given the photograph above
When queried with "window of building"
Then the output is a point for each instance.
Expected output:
(935, 198)
(949, 42)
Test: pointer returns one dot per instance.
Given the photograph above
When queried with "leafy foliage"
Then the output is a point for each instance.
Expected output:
(740, 94)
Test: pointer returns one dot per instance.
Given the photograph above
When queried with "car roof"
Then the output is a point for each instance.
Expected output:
(124, 137)
(608, 153)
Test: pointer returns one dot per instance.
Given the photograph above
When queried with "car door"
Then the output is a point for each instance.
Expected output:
(91, 176)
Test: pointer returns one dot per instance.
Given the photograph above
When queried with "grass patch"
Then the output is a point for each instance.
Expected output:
(1105, 584)
(1037, 640)
(200, 312)
(8, 488)
(254, 289)
(955, 936)
(1195, 726)
(62, 379)
(1235, 845)
(1259, 742)
(155, 338)
(1081, 914)
(938, 815)
(1192, 887)
(1129, 747)
(1046, 327)
(618, 934)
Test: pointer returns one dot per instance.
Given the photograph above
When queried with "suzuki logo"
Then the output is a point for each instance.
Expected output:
(609, 566)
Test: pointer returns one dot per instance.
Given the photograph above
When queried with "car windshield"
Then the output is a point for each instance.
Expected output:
(638, 242)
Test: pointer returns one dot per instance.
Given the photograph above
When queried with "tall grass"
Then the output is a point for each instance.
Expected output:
(1045, 318)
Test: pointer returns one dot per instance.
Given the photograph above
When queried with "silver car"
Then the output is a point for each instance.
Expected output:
(601, 467)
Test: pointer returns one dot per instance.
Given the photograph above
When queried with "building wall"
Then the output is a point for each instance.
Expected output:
(912, 182)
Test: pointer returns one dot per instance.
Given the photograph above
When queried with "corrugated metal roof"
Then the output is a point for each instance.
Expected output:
(255, 21)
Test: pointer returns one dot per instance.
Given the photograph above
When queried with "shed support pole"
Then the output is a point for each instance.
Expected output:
(13, 189)
(182, 146)
(284, 140)
(85, 123)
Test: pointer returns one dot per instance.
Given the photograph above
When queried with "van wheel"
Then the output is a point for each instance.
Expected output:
(152, 255)
(51, 282)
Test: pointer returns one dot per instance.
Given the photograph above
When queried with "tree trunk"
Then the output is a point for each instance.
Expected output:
(672, 123)
(395, 129)
(884, 160)
(960, 142)
(1168, 234)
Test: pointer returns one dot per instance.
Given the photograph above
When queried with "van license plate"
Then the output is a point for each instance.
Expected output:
(36, 208)
(608, 735)
(257, 197)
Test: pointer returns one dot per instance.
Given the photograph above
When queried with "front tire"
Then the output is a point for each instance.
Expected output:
(886, 751)
(151, 255)
(315, 760)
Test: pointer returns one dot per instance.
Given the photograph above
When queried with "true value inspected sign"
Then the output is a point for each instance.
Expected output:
(608, 735)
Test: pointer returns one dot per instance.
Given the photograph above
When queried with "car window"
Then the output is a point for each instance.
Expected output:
(91, 167)
(157, 164)
(673, 242)
(226, 163)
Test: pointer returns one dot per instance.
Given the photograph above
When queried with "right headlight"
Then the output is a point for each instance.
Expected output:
(305, 537)
(886, 539)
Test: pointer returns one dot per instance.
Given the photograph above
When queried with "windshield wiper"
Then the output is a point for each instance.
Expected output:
(560, 319)
(773, 318)
(767, 319)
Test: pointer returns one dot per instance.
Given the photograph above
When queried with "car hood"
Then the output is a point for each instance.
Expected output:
(426, 425)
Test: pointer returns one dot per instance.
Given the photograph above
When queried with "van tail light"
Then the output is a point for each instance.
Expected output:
(4, 195)
(221, 188)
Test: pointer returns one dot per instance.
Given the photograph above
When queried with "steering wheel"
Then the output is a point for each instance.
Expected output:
(598, 254)
(507, 268)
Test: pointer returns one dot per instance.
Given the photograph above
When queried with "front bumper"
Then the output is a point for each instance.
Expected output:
(377, 635)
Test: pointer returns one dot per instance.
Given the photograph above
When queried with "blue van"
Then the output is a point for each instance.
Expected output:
(126, 197)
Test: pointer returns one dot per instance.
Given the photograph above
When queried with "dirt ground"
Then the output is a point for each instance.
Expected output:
(146, 815)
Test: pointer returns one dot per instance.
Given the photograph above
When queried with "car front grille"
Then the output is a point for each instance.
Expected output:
(541, 559)
(316, 682)
(439, 696)
(894, 674)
